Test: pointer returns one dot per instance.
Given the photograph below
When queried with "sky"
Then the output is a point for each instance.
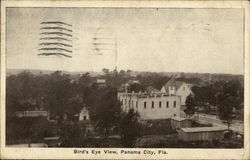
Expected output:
(157, 40)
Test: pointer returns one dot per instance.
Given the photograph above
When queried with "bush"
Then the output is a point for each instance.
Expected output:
(130, 128)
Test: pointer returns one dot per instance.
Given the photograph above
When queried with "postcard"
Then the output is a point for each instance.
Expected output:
(125, 79)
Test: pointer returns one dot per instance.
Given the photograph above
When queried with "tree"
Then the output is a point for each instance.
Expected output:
(204, 95)
(136, 87)
(72, 134)
(105, 70)
(130, 128)
(58, 94)
(122, 72)
(21, 93)
(106, 109)
(190, 106)
(225, 108)
(229, 98)
(84, 80)
(129, 71)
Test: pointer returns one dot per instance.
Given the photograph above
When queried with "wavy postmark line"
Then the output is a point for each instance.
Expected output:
(56, 33)
(98, 49)
(55, 38)
(52, 49)
(56, 22)
(56, 28)
(57, 44)
(99, 43)
(55, 54)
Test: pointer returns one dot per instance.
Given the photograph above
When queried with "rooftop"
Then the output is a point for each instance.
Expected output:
(179, 118)
(151, 89)
(144, 95)
(203, 129)
(51, 138)
(100, 81)
(176, 84)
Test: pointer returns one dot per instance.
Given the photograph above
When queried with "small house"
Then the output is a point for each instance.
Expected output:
(101, 83)
(84, 114)
(84, 120)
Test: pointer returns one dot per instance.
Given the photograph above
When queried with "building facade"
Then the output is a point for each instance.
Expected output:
(178, 122)
(151, 106)
(201, 133)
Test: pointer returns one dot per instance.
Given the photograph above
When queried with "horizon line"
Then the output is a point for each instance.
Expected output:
(241, 74)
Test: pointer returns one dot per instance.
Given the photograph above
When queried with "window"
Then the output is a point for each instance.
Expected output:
(160, 104)
(84, 117)
(132, 103)
(136, 104)
(183, 88)
(153, 104)
(174, 104)
(167, 104)
(145, 105)
(174, 115)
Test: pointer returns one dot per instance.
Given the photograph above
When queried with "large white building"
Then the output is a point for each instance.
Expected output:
(178, 88)
(151, 105)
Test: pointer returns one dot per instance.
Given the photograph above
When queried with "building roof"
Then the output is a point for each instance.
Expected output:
(178, 118)
(176, 84)
(51, 138)
(133, 81)
(100, 81)
(203, 129)
(31, 113)
(152, 90)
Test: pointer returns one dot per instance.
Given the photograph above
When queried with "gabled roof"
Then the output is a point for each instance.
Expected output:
(176, 84)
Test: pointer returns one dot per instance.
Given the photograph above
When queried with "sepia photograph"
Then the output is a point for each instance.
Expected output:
(124, 77)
